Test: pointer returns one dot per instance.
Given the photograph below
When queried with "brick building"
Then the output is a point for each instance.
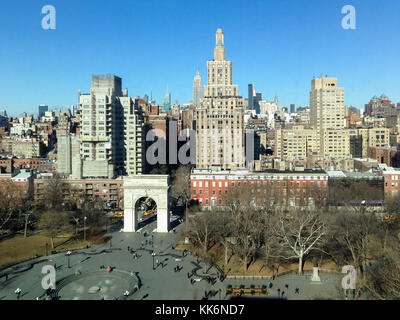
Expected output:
(385, 155)
(19, 185)
(291, 188)
(109, 191)
(391, 178)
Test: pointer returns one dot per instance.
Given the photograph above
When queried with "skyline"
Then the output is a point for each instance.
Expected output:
(49, 66)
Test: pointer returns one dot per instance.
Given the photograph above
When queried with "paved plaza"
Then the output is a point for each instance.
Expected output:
(88, 276)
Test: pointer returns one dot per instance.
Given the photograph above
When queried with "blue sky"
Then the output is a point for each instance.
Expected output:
(278, 45)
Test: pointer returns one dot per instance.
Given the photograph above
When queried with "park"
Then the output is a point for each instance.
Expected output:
(145, 265)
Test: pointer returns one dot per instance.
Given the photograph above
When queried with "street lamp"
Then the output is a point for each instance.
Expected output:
(84, 228)
(153, 255)
(68, 254)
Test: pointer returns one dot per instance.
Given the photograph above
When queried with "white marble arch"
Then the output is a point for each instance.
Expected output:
(146, 185)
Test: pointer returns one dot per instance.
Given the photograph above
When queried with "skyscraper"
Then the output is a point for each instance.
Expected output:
(111, 130)
(42, 109)
(167, 101)
(197, 89)
(327, 109)
(250, 97)
(219, 119)
(253, 99)
(292, 108)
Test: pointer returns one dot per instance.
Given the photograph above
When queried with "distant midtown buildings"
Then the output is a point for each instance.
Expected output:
(167, 102)
(197, 89)
(253, 99)
(42, 110)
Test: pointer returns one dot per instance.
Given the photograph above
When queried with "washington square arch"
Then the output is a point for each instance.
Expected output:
(155, 188)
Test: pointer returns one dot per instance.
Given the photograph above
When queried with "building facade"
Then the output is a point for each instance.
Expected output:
(327, 109)
(280, 188)
(111, 130)
(219, 119)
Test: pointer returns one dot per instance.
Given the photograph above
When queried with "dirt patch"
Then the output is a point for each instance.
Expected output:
(235, 266)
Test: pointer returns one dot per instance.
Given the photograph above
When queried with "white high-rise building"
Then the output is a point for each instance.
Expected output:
(111, 130)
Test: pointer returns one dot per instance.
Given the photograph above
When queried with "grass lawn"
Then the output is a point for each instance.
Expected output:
(19, 248)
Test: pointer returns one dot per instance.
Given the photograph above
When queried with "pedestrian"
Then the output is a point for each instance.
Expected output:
(297, 291)
(55, 266)
(287, 286)
(283, 292)
(129, 248)
(18, 292)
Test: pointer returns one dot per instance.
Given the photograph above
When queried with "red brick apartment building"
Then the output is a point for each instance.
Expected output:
(19, 185)
(391, 181)
(107, 190)
(292, 188)
(40, 164)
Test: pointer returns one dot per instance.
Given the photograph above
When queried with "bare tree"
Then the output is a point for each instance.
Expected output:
(299, 234)
(390, 226)
(352, 228)
(201, 228)
(382, 279)
(94, 212)
(30, 215)
(54, 223)
(57, 194)
(181, 185)
(12, 202)
(269, 238)
(223, 232)
(241, 202)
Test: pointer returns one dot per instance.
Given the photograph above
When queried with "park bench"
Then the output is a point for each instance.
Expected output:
(246, 291)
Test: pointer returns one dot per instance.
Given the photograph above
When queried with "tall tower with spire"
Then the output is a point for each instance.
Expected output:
(197, 89)
(167, 101)
(219, 119)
